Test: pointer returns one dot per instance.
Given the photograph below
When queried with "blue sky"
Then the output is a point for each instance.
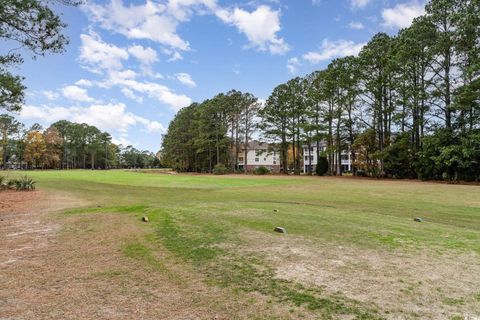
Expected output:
(131, 65)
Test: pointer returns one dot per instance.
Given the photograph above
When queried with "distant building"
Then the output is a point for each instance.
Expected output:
(310, 157)
(259, 154)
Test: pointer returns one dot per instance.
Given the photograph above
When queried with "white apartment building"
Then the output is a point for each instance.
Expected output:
(259, 154)
(310, 157)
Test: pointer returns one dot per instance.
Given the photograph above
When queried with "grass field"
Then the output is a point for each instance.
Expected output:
(352, 250)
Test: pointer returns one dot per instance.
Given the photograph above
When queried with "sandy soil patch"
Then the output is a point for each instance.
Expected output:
(403, 285)
(54, 266)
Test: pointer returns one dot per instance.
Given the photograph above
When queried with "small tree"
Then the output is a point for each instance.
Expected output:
(322, 166)
(220, 169)
(8, 126)
(35, 148)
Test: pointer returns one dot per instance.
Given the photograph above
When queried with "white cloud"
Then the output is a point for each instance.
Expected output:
(76, 93)
(130, 94)
(359, 4)
(113, 118)
(84, 83)
(186, 79)
(402, 15)
(144, 55)
(334, 49)
(104, 58)
(154, 90)
(149, 21)
(99, 55)
(183, 9)
(293, 64)
(159, 21)
(260, 26)
(356, 25)
(176, 56)
(51, 95)
(150, 126)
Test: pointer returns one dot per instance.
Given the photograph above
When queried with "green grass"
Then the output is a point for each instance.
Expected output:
(200, 220)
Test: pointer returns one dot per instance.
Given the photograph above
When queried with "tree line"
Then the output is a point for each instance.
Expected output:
(31, 25)
(206, 134)
(408, 106)
(66, 145)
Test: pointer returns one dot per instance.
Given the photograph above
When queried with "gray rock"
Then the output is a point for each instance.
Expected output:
(280, 230)
(418, 219)
(145, 219)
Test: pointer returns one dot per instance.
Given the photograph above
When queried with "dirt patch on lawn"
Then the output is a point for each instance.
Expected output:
(56, 266)
(402, 285)
(18, 201)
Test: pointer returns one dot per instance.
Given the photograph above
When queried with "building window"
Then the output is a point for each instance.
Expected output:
(240, 159)
(264, 159)
(274, 162)
(257, 159)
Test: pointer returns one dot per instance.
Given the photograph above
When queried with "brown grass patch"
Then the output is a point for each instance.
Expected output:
(402, 285)
(54, 266)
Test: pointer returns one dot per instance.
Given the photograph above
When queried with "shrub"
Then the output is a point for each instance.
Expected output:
(262, 170)
(23, 184)
(220, 169)
(361, 173)
(322, 166)
(3, 183)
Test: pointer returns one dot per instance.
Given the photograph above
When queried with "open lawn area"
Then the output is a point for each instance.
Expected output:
(76, 248)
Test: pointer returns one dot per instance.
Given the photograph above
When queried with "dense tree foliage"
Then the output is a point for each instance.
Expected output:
(202, 136)
(32, 26)
(66, 145)
(407, 107)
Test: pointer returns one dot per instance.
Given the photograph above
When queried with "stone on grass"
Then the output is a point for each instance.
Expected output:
(280, 230)
(275, 210)
(145, 219)
(418, 219)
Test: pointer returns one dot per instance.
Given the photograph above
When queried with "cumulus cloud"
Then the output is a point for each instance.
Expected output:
(144, 55)
(131, 95)
(359, 4)
(293, 64)
(356, 25)
(76, 93)
(402, 15)
(333, 49)
(84, 83)
(105, 58)
(51, 95)
(182, 10)
(186, 79)
(111, 117)
(153, 90)
(98, 55)
(149, 21)
(260, 27)
(159, 22)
